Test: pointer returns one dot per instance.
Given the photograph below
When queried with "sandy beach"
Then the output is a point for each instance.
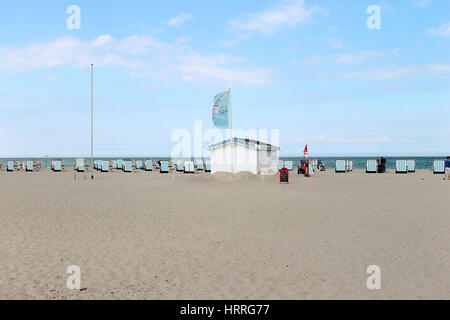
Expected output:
(158, 236)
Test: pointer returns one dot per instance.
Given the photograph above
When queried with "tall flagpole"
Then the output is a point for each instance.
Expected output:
(231, 129)
(92, 120)
(231, 118)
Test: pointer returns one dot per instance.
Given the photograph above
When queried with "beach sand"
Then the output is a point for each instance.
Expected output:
(158, 236)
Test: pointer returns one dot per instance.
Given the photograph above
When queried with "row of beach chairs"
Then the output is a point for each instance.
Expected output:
(439, 166)
(289, 164)
(313, 165)
(28, 165)
(344, 165)
(406, 165)
(57, 165)
(164, 166)
(401, 166)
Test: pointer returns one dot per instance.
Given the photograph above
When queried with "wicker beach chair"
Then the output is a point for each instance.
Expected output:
(439, 166)
(10, 166)
(401, 166)
(280, 164)
(371, 166)
(288, 164)
(180, 165)
(104, 167)
(411, 164)
(57, 165)
(80, 165)
(139, 164)
(148, 165)
(164, 166)
(199, 164)
(29, 165)
(341, 165)
(207, 166)
(120, 164)
(128, 166)
(189, 166)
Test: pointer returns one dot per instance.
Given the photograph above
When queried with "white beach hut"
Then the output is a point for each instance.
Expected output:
(239, 155)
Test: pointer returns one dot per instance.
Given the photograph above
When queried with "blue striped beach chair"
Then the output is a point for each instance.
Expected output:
(164, 167)
(148, 165)
(349, 165)
(288, 164)
(57, 165)
(120, 164)
(199, 164)
(189, 166)
(180, 165)
(411, 164)
(280, 164)
(207, 166)
(29, 165)
(139, 164)
(341, 166)
(10, 166)
(114, 164)
(371, 166)
(401, 166)
(311, 167)
(439, 166)
(105, 166)
(79, 165)
(128, 166)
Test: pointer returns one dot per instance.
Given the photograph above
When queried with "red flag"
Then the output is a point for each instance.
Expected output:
(305, 152)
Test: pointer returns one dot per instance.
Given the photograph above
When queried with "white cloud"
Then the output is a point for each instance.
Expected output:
(138, 56)
(382, 74)
(235, 41)
(363, 56)
(421, 3)
(288, 14)
(315, 60)
(440, 69)
(334, 43)
(102, 41)
(386, 7)
(333, 29)
(179, 19)
(382, 139)
(398, 72)
(443, 31)
(50, 78)
(182, 40)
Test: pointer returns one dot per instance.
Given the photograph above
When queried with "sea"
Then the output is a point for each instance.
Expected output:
(329, 162)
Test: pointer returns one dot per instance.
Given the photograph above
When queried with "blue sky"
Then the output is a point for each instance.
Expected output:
(311, 69)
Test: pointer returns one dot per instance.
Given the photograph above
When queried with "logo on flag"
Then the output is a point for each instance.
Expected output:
(221, 110)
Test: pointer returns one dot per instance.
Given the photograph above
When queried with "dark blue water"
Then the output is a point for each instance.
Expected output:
(358, 162)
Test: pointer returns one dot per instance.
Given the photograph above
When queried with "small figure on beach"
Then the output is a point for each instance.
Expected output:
(320, 166)
(302, 167)
(381, 165)
(447, 168)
